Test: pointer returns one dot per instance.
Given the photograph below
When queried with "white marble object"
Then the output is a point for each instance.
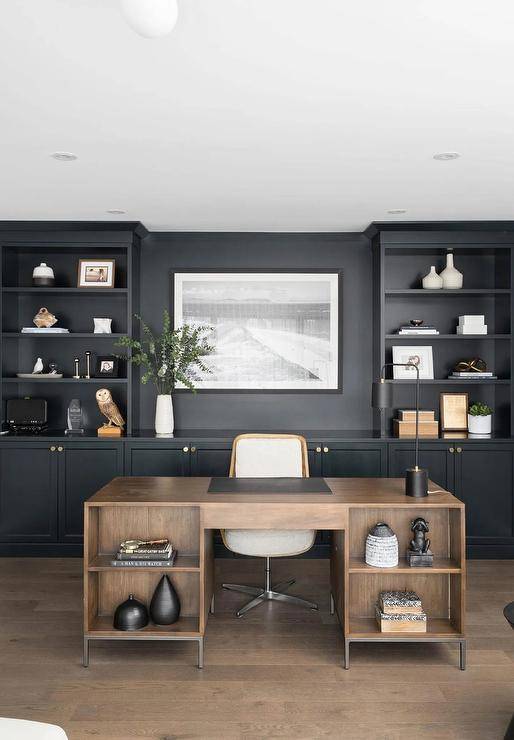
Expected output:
(103, 326)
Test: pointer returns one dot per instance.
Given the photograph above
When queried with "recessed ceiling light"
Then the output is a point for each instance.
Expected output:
(397, 211)
(64, 156)
(116, 211)
(446, 156)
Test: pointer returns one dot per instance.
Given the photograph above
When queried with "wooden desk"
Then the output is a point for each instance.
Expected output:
(181, 509)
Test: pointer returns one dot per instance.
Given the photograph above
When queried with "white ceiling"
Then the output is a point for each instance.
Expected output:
(259, 115)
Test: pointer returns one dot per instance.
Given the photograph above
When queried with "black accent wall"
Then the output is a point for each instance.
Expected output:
(163, 253)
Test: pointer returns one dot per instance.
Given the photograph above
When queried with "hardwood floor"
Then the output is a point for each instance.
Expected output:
(276, 673)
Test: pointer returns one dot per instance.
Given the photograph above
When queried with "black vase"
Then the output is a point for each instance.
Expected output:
(165, 604)
(130, 615)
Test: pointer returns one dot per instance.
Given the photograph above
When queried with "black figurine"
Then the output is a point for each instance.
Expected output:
(419, 554)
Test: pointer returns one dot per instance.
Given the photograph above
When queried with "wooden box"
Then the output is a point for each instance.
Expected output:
(427, 429)
(401, 622)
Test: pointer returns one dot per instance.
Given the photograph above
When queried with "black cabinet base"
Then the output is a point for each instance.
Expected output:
(40, 550)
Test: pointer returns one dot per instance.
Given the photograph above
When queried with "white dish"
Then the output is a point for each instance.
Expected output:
(40, 376)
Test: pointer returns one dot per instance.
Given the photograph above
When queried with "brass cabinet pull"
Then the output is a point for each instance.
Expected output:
(60, 449)
(459, 449)
(451, 449)
(325, 449)
(185, 449)
(52, 448)
(318, 449)
(193, 449)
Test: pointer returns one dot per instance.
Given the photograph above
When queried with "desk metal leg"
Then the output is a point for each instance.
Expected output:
(85, 657)
(200, 652)
(347, 654)
(332, 605)
(462, 655)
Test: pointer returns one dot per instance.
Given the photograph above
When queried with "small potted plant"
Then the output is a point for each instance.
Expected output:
(479, 418)
(174, 356)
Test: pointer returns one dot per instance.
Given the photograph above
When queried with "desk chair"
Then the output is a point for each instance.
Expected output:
(269, 456)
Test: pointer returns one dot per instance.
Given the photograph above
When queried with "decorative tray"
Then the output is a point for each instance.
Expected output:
(40, 376)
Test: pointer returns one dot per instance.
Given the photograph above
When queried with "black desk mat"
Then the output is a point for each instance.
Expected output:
(268, 485)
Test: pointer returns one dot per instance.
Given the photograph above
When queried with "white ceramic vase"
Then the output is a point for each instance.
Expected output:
(102, 326)
(432, 281)
(479, 424)
(452, 278)
(164, 422)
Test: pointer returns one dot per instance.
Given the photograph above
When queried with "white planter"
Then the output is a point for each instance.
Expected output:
(432, 281)
(452, 278)
(164, 422)
(479, 424)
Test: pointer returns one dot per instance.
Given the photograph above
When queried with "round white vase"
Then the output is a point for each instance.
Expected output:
(452, 278)
(479, 424)
(164, 422)
(432, 281)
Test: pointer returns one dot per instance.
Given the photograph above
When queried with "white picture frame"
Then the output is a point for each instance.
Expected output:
(420, 355)
(273, 331)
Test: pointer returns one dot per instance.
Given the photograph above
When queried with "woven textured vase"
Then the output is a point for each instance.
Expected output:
(382, 547)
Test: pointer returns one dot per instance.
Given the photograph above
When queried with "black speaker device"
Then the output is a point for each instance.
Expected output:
(27, 415)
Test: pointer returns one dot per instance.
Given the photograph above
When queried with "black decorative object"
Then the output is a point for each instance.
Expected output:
(416, 478)
(165, 604)
(419, 554)
(131, 615)
(508, 613)
(107, 366)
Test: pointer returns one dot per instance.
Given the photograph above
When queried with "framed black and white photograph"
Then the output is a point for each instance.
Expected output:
(96, 273)
(420, 356)
(107, 366)
(277, 331)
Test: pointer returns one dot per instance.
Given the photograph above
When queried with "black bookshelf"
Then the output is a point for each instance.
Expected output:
(403, 254)
(62, 246)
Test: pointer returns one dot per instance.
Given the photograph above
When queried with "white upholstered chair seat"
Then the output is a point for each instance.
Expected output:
(269, 543)
(23, 729)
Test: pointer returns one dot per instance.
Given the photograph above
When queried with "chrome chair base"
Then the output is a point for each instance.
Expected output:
(268, 593)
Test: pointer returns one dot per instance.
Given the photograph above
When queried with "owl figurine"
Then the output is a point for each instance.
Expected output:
(111, 412)
(44, 319)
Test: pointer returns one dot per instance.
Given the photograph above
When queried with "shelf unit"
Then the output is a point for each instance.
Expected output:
(106, 586)
(402, 255)
(61, 246)
(440, 587)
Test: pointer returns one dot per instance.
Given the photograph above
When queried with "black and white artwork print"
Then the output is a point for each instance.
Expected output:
(272, 331)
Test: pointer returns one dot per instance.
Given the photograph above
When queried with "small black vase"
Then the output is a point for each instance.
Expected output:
(130, 615)
(165, 604)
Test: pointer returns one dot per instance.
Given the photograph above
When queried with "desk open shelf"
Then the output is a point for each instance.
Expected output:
(106, 586)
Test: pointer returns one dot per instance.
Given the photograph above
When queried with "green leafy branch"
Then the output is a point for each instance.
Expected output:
(174, 356)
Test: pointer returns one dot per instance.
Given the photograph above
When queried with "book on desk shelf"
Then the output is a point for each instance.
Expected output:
(144, 562)
(400, 611)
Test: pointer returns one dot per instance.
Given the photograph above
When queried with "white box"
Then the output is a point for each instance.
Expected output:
(470, 319)
(472, 329)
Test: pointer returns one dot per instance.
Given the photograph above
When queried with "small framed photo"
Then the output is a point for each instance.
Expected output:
(454, 412)
(107, 366)
(96, 273)
(420, 356)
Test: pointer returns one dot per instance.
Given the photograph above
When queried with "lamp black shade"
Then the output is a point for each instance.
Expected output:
(381, 395)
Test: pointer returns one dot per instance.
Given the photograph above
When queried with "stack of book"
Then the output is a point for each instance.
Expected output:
(146, 554)
(472, 324)
(472, 376)
(400, 611)
(405, 424)
(417, 330)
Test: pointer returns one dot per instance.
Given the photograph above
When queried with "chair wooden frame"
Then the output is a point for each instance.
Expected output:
(258, 435)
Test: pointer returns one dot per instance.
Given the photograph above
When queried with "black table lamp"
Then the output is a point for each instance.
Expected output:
(416, 478)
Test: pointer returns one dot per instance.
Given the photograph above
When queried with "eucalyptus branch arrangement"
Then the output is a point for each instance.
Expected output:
(174, 356)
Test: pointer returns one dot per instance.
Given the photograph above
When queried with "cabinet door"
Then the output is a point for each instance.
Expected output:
(484, 480)
(83, 469)
(163, 459)
(436, 458)
(28, 493)
(210, 459)
(354, 460)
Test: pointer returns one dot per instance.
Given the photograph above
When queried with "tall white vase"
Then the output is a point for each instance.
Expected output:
(452, 278)
(164, 422)
(432, 281)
